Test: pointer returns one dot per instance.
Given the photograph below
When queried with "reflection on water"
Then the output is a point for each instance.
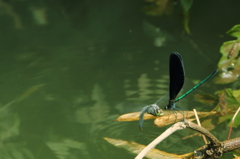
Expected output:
(65, 104)
(63, 83)
(65, 99)
(69, 105)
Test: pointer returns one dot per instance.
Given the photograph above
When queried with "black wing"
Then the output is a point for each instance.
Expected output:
(176, 73)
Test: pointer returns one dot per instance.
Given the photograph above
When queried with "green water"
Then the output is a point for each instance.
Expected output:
(62, 85)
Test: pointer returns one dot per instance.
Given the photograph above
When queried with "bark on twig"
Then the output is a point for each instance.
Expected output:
(214, 149)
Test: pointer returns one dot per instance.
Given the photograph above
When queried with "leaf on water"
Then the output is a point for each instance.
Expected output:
(136, 148)
(235, 31)
(229, 50)
(226, 77)
(133, 117)
(205, 98)
(229, 63)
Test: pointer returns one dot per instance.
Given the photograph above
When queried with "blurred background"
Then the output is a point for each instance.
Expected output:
(69, 68)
